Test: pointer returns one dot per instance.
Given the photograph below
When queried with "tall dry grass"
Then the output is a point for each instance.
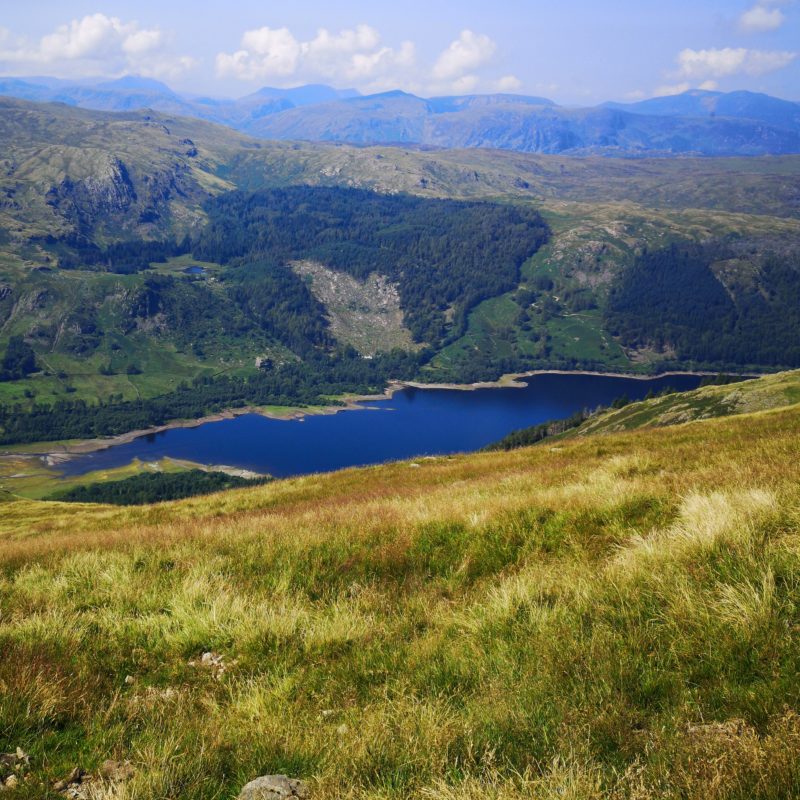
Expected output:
(615, 617)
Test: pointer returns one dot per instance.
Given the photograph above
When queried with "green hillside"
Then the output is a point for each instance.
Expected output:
(773, 391)
(610, 616)
(721, 397)
(108, 275)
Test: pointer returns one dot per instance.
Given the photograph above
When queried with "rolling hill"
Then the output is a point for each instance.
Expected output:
(774, 391)
(721, 397)
(151, 173)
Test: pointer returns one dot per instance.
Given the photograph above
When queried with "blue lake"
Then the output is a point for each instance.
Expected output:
(414, 422)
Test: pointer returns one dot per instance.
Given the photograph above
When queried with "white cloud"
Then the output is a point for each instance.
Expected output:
(465, 54)
(93, 36)
(722, 63)
(508, 83)
(764, 16)
(759, 19)
(466, 84)
(143, 42)
(358, 57)
(685, 86)
(350, 55)
(164, 67)
(669, 90)
(265, 52)
(703, 69)
(93, 45)
(384, 62)
(325, 45)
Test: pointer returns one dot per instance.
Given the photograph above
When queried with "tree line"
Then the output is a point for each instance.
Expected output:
(314, 381)
(125, 258)
(671, 299)
(445, 255)
(155, 487)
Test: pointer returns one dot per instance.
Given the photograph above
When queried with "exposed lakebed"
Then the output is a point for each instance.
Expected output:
(413, 422)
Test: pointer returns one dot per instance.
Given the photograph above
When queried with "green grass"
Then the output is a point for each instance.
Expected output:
(580, 335)
(771, 391)
(28, 476)
(614, 617)
(491, 329)
(162, 369)
(176, 266)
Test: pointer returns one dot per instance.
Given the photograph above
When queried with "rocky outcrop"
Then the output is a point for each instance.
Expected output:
(82, 785)
(109, 191)
(13, 769)
(274, 787)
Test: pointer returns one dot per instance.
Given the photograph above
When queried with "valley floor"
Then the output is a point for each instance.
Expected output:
(610, 616)
(32, 470)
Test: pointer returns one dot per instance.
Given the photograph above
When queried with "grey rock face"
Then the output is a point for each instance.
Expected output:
(274, 787)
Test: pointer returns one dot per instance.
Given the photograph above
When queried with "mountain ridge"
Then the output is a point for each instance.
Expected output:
(694, 123)
(738, 104)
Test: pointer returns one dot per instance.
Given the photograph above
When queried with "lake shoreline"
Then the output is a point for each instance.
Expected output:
(57, 453)
(513, 380)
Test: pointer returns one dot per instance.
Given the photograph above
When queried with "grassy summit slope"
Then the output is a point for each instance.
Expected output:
(614, 617)
(772, 391)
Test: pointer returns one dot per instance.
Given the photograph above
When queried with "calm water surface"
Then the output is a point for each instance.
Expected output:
(415, 422)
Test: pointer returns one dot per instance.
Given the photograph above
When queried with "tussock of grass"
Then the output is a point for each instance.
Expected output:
(614, 618)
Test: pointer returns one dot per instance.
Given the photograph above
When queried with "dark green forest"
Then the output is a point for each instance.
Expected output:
(672, 299)
(315, 381)
(155, 487)
(445, 255)
(19, 360)
(524, 437)
(281, 304)
(124, 258)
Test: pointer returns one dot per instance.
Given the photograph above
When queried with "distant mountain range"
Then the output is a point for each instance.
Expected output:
(693, 123)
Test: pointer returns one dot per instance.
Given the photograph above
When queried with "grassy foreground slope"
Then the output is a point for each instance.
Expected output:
(614, 616)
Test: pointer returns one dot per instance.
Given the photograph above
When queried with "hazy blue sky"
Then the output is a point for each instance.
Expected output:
(574, 51)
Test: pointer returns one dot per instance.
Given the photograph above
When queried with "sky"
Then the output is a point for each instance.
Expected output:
(576, 52)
